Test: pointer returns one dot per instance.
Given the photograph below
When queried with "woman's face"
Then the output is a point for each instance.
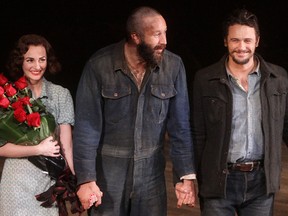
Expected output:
(35, 63)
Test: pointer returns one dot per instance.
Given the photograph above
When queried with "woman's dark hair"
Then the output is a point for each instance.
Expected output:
(241, 17)
(16, 57)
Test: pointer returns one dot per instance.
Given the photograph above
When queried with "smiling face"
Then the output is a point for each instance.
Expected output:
(152, 42)
(35, 63)
(241, 42)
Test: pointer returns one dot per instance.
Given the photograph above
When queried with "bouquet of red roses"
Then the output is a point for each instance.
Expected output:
(25, 121)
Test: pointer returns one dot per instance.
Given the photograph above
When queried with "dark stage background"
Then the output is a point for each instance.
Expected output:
(76, 29)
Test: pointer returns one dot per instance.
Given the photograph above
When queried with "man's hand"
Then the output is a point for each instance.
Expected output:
(89, 193)
(185, 193)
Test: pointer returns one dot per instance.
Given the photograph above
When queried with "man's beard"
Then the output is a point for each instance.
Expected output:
(148, 54)
(243, 61)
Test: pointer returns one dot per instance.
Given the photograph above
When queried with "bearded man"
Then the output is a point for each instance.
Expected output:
(130, 94)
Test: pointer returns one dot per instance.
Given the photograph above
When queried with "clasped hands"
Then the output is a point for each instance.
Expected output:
(185, 193)
(89, 194)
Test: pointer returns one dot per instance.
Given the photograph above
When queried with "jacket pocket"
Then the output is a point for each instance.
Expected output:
(214, 108)
(159, 103)
(116, 102)
(277, 104)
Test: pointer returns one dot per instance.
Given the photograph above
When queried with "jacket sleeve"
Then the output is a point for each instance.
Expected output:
(88, 126)
(179, 128)
(198, 120)
(285, 127)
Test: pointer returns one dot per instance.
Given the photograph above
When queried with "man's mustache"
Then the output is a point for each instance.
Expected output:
(242, 51)
(160, 47)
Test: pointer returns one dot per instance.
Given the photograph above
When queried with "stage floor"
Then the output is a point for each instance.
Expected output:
(281, 200)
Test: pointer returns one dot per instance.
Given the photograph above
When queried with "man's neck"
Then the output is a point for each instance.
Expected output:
(134, 61)
(240, 70)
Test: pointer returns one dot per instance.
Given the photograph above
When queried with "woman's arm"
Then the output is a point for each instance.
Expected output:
(67, 144)
(47, 147)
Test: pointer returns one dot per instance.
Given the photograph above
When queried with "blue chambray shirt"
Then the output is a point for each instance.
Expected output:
(116, 120)
(246, 143)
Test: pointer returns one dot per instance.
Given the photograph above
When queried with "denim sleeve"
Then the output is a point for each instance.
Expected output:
(179, 129)
(88, 126)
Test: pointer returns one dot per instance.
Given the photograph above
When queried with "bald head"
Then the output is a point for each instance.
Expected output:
(137, 21)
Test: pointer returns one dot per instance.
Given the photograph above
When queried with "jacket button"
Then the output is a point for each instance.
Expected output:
(115, 94)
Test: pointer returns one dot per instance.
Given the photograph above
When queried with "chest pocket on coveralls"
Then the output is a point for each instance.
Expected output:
(116, 102)
(159, 104)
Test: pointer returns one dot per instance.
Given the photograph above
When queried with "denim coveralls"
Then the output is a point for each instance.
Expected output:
(125, 128)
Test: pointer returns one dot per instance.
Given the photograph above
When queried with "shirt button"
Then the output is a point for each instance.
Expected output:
(115, 94)
(163, 94)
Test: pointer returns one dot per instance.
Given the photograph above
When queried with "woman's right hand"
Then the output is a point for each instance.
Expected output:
(49, 147)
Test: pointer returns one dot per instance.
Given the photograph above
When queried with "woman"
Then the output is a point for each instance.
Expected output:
(33, 57)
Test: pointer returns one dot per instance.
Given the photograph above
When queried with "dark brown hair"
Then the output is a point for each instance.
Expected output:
(16, 57)
(241, 17)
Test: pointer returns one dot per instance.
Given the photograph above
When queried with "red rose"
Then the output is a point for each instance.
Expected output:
(21, 102)
(3, 79)
(20, 114)
(33, 119)
(17, 105)
(21, 83)
(1, 90)
(25, 101)
(10, 91)
(4, 102)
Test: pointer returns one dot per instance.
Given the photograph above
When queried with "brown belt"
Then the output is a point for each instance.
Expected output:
(246, 166)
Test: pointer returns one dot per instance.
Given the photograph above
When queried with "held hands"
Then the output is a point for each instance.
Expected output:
(89, 194)
(49, 147)
(185, 193)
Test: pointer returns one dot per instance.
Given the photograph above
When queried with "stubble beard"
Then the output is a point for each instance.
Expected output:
(243, 61)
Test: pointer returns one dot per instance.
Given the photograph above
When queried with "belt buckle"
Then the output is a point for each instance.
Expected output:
(250, 163)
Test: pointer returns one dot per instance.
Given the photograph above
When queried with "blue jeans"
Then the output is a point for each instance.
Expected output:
(245, 195)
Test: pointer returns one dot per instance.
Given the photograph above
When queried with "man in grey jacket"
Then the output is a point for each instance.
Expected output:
(239, 110)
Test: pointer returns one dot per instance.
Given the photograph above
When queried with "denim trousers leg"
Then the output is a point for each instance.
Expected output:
(245, 195)
(124, 191)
